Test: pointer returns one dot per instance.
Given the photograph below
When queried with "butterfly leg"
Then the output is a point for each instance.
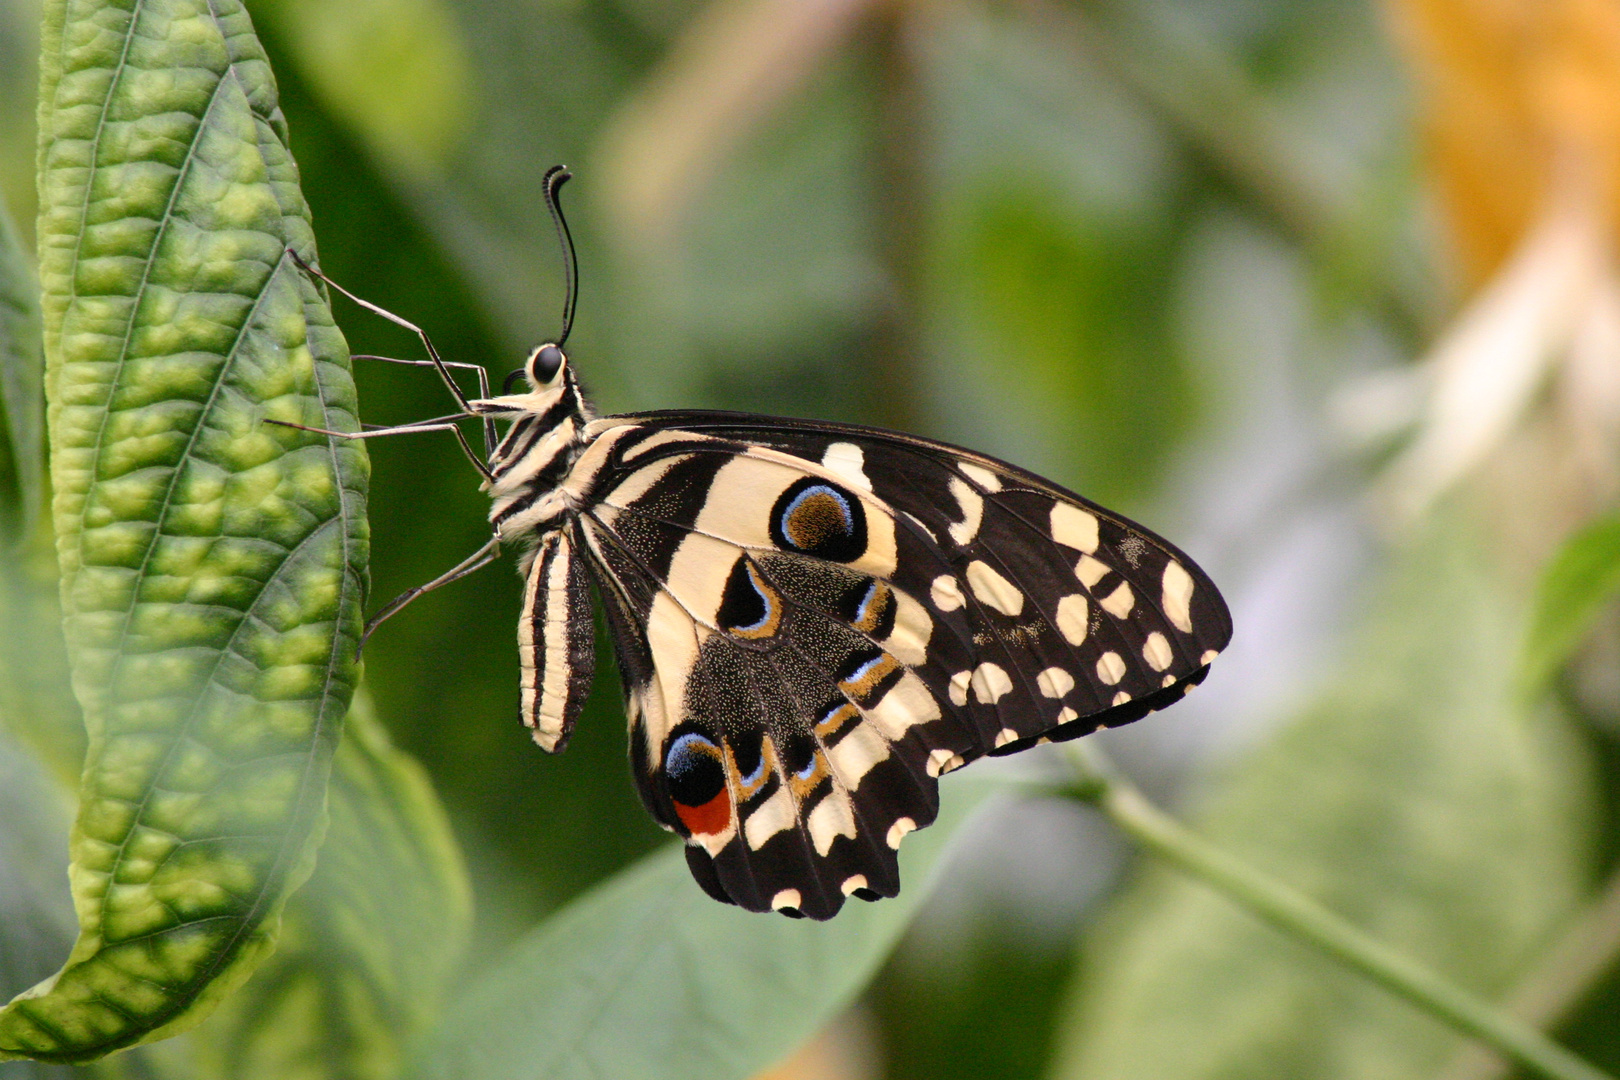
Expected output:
(477, 369)
(476, 561)
(436, 361)
(436, 424)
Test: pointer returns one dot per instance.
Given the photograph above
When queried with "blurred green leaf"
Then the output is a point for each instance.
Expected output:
(36, 704)
(1578, 584)
(36, 910)
(368, 948)
(1067, 307)
(647, 977)
(22, 383)
(213, 566)
(395, 71)
(1412, 799)
(37, 707)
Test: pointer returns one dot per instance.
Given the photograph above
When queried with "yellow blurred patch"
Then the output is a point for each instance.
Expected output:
(1515, 96)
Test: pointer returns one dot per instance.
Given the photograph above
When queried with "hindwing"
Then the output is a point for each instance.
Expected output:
(814, 622)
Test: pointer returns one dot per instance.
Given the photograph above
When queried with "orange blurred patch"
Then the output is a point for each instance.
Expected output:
(1515, 96)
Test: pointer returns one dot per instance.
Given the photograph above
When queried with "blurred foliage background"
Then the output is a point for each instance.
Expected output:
(1323, 289)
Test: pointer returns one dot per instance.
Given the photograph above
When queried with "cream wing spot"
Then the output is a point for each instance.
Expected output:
(1074, 527)
(1169, 681)
(1121, 698)
(980, 475)
(831, 818)
(1065, 715)
(1054, 682)
(848, 461)
(991, 683)
(853, 756)
(1005, 736)
(959, 687)
(1178, 591)
(769, 818)
(1208, 657)
(913, 626)
(898, 831)
(1157, 651)
(993, 589)
(787, 898)
(1072, 616)
(942, 761)
(946, 593)
(1110, 668)
(907, 703)
(1119, 602)
(971, 504)
(851, 883)
(1089, 570)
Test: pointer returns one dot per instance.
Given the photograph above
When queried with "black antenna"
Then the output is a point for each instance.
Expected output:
(555, 178)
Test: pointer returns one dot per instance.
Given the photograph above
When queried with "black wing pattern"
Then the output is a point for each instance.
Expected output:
(815, 621)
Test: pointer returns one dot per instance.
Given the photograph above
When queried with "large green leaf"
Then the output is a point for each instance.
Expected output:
(1579, 582)
(1415, 800)
(647, 977)
(368, 948)
(213, 566)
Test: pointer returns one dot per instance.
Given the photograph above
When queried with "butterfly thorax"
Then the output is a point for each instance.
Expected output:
(546, 436)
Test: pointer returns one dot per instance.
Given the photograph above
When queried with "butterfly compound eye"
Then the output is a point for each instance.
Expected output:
(545, 363)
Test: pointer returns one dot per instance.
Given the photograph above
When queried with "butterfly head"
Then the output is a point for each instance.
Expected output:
(544, 367)
(546, 385)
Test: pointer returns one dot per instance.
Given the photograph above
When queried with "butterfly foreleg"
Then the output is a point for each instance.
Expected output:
(375, 431)
(476, 561)
(556, 641)
(436, 361)
(477, 369)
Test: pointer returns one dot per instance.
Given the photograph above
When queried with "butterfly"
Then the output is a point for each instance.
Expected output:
(813, 621)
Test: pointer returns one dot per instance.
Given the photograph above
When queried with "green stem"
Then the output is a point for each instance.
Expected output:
(1303, 918)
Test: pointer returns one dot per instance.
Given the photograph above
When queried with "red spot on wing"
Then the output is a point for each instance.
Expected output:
(712, 817)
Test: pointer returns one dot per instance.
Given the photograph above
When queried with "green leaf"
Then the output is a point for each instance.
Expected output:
(1579, 582)
(36, 909)
(213, 566)
(646, 976)
(22, 393)
(395, 71)
(36, 703)
(369, 947)
(1413, 799)
(36, 913)
(37, 707)
(1071, 302)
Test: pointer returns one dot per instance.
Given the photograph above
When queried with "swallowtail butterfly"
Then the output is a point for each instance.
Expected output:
(813, 621)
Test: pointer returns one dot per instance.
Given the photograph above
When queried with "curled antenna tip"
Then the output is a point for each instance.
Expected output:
(551, 184)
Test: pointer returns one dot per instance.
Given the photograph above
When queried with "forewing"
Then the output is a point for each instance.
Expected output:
(821, 620)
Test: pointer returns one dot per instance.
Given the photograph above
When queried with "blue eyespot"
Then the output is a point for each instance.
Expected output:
(819, 518)
(692, 769)
(684, 753)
